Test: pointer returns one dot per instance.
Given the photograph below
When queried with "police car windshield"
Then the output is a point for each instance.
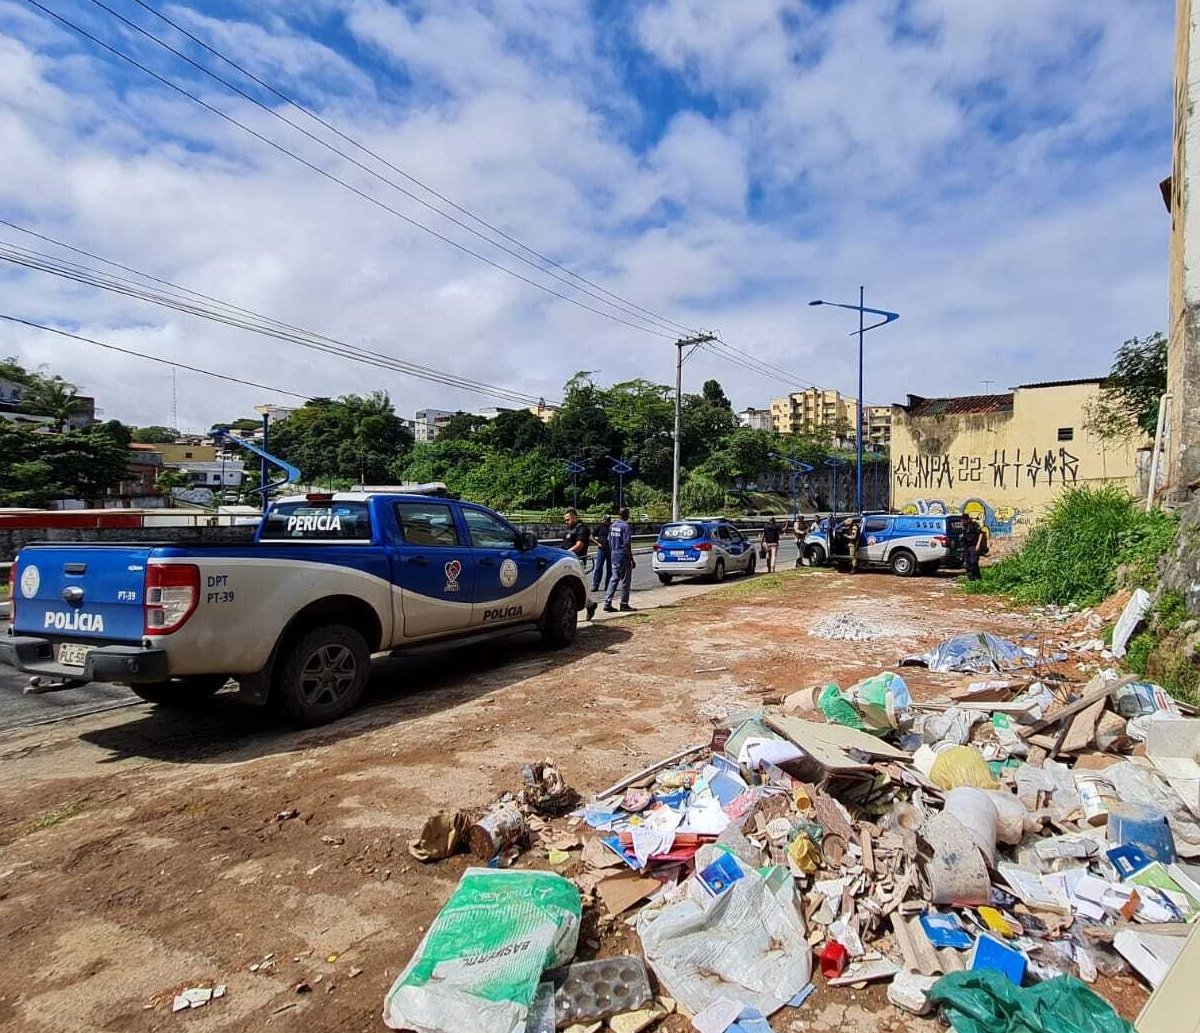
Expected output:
(682, 532)
(318, 521)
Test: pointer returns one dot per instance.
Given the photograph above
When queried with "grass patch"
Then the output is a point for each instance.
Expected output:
(1090, 541)
(762, 583)
(48, 819)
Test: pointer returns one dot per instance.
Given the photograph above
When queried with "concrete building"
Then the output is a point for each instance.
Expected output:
(11, 393)
(429, 423)
(821, 408)
(275, 413)
(226, 473)
(490, 412)
(182, 451)
(1004, 457)
(755, 419)
(1182, 452)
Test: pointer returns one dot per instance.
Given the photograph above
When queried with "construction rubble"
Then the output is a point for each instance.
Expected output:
(998, 853)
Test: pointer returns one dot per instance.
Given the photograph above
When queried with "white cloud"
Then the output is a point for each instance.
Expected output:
(966, 161)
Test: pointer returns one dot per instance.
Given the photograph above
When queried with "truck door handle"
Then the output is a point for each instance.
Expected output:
(418, 561)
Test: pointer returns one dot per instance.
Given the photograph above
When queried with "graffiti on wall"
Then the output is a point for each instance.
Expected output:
(1022, 468)
(999, 520)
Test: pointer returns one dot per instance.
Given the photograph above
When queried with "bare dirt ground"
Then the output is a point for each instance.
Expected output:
(143, 851)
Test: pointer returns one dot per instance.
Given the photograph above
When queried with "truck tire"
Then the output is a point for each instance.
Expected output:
(324, 674)
(814, 556)
(719, 571)
(665, 578)
(560, 619)
(751, 565)
(904, 563)
(181, 692)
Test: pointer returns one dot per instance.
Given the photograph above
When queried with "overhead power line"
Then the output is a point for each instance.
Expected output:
(153, 358)
(292, 102)
(185, 300)
(325, 172)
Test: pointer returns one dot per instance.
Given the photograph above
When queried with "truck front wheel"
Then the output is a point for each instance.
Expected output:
(181, 692)
(323, 675)
(561, 618)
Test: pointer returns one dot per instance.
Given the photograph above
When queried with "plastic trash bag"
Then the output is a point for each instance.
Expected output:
(978, 653)
(1129, 621)
(961, 766)
(986, 1001)
(479, 965)
(873, 705)
(748, 943)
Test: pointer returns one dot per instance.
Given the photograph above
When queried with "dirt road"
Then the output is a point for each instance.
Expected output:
(143, 851)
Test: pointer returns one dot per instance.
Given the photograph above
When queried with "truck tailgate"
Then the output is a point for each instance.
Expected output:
(81, 592)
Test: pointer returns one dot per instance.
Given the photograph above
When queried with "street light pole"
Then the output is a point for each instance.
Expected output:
(888, 317)
(683, 342)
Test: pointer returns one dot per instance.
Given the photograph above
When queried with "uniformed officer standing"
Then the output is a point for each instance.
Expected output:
(620, 545)
(971, 538)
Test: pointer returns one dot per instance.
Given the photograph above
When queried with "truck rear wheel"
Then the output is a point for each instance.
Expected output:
(560, 619)
(323, 675)
(181, 692)
(904, 563)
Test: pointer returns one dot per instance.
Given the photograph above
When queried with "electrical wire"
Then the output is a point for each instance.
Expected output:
(153, 358)
(210, 308)
(209, 48)
(341, 182)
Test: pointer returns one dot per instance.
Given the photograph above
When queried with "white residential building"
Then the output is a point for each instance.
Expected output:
(429, 423)
(755, 419)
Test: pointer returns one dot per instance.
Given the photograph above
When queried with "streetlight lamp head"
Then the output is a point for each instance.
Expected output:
(816, 303)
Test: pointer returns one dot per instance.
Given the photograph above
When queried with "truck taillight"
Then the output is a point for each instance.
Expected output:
(705, 546)
(172, 592)
(942, 540)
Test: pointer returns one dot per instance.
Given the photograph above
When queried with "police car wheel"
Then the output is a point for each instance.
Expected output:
(666, 579)
(561, 618)
(751, 564)
(719, 571)
(815, 555)
(904, 564)
(181, 692)
(323, 675)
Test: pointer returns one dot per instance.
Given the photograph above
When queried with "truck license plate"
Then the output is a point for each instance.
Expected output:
(72, 655)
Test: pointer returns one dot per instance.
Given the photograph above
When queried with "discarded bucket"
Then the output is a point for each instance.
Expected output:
(1098, 795)
(833, 959)
(500, 827)
(1142, 826)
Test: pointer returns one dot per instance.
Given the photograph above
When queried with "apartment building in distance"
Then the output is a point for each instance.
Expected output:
(755, 419)
(819, 408)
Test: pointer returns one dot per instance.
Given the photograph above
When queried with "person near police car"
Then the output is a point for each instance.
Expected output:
(971, 543)
(576, 541)
(603, 569)
(620, 544)
(768, 542)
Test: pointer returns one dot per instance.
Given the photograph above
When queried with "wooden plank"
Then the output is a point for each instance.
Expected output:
(1102, 691)
(1081, 732)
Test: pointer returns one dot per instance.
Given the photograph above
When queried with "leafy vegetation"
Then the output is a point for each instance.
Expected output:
(1130, 395)
(37, 468)
(1088, 540)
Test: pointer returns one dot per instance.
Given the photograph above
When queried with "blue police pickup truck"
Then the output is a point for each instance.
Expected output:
(293, 617)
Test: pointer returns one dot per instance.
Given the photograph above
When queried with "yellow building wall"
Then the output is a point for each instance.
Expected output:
(183, 453)
(1004, 468)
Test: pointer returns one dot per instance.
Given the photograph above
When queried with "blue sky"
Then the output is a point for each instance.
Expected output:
(989, 170)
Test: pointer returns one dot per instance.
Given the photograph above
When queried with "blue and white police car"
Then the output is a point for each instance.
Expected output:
(701, 548)
(907, 544)
(295, 615)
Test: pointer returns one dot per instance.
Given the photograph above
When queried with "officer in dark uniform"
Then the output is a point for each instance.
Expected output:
(971, 548)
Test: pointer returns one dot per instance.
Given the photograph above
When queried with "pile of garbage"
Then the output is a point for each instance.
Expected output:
(989, 853)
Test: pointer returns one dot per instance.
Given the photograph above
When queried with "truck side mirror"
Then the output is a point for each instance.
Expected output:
(527, 541)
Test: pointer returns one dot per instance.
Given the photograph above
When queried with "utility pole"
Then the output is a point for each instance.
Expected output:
(683, 342)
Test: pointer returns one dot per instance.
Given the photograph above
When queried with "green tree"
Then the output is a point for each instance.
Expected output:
(462, 426)
(38, 468)
(581, 429)
(1130, 395)
(355, 438)
(518, 430)
(168, 481)
(53, 397)
(155, 435)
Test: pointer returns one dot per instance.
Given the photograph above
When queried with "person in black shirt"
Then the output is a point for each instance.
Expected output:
(769, 540)
(971, 549)
(576, 542)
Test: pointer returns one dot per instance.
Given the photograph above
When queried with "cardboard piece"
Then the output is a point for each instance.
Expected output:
(828, 751)
(1081, 732)
(1172, 1006)
(1173, 747)
(1098, 688)
(620, 892)
(1150, 954)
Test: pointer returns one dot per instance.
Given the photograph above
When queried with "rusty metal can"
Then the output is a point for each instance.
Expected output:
(502, 826)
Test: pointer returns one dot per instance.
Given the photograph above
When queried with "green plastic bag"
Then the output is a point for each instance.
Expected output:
(479, 965)
(871, 705)
(986, 1001)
